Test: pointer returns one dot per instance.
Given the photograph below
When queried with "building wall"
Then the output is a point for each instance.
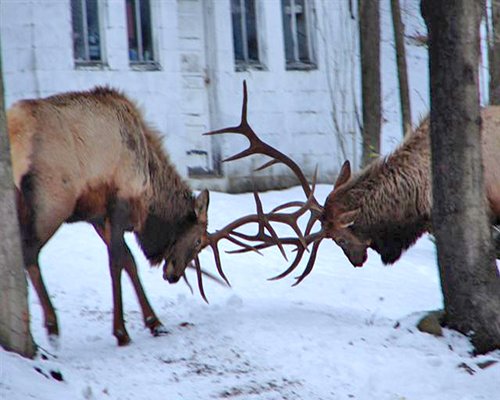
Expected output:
(309, 115)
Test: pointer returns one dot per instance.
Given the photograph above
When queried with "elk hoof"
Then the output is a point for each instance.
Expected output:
(122, 337)
(159, 330)
(52, 328)
(54, 342)
(156, 327)
(53, 334)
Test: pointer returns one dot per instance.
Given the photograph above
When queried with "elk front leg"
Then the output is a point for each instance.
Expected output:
(117, 252)
(151, 321)
(119, 330)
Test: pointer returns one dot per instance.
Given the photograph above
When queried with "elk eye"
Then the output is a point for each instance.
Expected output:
(198, 242)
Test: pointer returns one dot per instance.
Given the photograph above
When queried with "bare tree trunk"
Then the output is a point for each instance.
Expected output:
(469, 276)
(14, 313)
(494, 54)
(369, 36)
(404, 92)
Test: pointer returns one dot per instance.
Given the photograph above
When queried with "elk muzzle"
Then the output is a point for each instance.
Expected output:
(357, 255)
(169, 273)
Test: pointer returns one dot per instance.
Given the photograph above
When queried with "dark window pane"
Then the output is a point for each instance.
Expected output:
(239, 54)
(133, 50)
(93, 31)
(287, 30)
(86, 35)
(251, 24)
(245, 42)
(140, 41)
(302, 40)
(78, 34)
(147, 41)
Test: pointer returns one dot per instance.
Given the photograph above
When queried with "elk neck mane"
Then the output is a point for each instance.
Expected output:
(394, 196)
(171, 209)
(170, 202)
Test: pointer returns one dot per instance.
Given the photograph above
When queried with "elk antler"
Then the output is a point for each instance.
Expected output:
(195, 264)
(266, 233)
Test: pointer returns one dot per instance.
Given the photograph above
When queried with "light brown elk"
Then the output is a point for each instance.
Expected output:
(90, 156)
(386, 206)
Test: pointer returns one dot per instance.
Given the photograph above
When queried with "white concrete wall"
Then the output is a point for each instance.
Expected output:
(309, 115)
(292, 110)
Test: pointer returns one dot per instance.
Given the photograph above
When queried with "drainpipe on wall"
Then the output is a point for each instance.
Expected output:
(34, 62)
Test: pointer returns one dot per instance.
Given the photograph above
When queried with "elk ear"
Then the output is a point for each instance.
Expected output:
(201, 206)
(344, 174)
(347, 218)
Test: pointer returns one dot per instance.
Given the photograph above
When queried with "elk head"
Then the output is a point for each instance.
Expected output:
(187, 239)
(186, 248)
(339, 220)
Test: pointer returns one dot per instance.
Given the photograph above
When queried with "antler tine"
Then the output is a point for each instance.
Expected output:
(208, 275)
(310, 262)
(316, 211)
(296, 261)
(184, 276)
(255, 248)
(257, 146)
(265, 220)
(244, 246)
(267, 164)
(264, 224)
(200, 280)
(316, 237)
(218, 264)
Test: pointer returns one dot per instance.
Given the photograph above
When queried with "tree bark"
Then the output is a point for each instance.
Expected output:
(494, 54)
(369, 36)
(469, 276)
(14, 312)
(404, 92)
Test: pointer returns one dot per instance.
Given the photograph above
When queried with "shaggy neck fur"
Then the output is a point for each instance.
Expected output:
(171, 207)
(394, 197)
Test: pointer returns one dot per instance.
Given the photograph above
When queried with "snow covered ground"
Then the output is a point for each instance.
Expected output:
(343, 333)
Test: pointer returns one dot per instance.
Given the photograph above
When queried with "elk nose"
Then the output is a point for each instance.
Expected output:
(169, 273)
(171, 278)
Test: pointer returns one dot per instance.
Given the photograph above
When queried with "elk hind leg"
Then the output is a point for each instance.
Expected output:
(50, 318)
(31, 246)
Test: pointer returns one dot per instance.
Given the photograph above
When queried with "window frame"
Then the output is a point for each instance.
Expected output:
(309, 15)
(142, 64)
(247, 63)
(84, 63)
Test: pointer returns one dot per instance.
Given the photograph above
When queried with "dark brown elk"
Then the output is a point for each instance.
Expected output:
(90, 156)
(386, 206)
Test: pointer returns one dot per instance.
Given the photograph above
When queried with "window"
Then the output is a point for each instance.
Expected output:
(86, 32)
(140, 39)
(298, 46)
(245, 43)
